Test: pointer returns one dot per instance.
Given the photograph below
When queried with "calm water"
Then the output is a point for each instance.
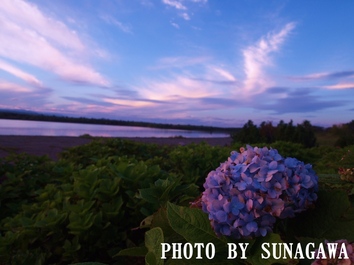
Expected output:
(17, 127)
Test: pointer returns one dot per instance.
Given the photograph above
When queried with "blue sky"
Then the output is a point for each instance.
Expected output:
(208, 62)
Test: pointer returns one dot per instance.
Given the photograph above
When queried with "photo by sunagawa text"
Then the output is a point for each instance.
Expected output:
(268, 250)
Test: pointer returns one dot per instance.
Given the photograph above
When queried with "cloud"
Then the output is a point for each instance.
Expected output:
(179, 62)
(218, 102)
(218, 76)
(31, 37)
(112, 21)
(24, 97)
(180, 86)
(276, 90)
(257, 57)
(341, 86)
(217, 82)
(182, 7)
(13, 88)
(88, 101)
(130, 103)
(28, 17)
(197, 81)
(346, 78)
(296, 101)
(174, 3)
(20, 74)
(323, 76)
(174, 25)
(185, 16)
(224, 73)
(211, 72)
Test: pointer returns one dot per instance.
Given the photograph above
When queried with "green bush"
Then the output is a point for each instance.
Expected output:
(100, 199)
(21, 176)
(193, 162)
(89, 216)
(99, 148)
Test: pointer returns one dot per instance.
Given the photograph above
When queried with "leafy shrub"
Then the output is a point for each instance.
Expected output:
(194, 161)
(91, 215)
(21, 176)
(101, 198)
(330, 159)
(99, 148)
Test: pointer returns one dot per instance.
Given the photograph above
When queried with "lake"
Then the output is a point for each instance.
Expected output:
(41, 128)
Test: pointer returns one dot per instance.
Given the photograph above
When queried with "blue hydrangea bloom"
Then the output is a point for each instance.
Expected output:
(245, 194)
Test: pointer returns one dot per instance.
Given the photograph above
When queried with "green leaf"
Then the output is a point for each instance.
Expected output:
(153, 240)
(132, 252)
(193, 225)
(331, 218)
(88, 263)
(151, 195)
(255, 255)
(160, 220)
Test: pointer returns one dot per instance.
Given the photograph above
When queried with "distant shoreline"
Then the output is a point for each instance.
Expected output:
(13, 115)
(53, 145)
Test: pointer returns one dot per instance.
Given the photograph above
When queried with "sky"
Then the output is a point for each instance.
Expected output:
(201, 62)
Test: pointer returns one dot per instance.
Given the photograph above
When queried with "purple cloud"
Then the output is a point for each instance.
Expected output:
(298, 101)
(89, 101)
(24, 97)
(323, 76)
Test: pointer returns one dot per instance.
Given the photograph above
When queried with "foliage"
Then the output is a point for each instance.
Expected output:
(21, 176)
(194, 161)
(89, 215)
(346, 171)
(87, 154)
(345, 134)
(114, 202)
(248, 134)
(183, 224)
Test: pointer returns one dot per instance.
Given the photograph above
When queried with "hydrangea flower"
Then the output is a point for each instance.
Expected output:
(245, 194)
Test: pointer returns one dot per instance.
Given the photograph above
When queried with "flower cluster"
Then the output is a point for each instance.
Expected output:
(246, 193)
(338, 257)
(347, 173)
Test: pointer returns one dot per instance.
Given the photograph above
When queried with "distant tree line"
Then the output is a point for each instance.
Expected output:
(344, 133)
(53, 118)
(303, 133)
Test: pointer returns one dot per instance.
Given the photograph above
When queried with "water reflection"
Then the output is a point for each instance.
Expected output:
(19, 127)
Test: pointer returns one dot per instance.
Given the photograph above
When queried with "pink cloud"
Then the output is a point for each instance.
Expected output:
(28, 16)
(257, 57)
(13, 88)
(31, 37)
(20, 74)
(341, 86)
